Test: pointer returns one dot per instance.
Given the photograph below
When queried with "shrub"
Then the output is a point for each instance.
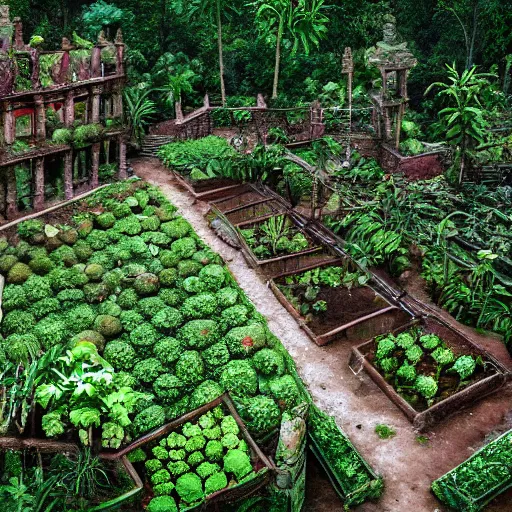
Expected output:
(102, 258)
(385, 347)
(144, 337)
(91, 336)
(195, 459)
(156, 238)
(19, 273)
(426, 386)
(151, 306)
(199, 333)
(175, 440)
(178, 468)
(261, 413)
(213, 433)
(107, 325)
(237, 463)
(44, 307)
(50, 331)
(176, 455)
(152, 223)
(162, 503)
(142, 197)
(153, 465)
(404, 340)
(129, 225)
(64, 278)
(168, 277)
(195, 443)
(94, 271)
(176, 229)
(184, 247)
(230, 441)
(205, 393)
(245, 340)
(21, 347)
(14, 297)
(216, 356)
(168, 350)
(68, 235)
(109, 307)
(207, 469)
(41, 265)
(80, 318)
(65, 255)
(113, 279)
(97, 239)
(187, 268)
(128, 299)
(193, 284)
(160, 453)
(190, 367)
(105, 220)
(268, 362)
(407, 372)
(148, 419)
(214, 450)
(168, 388)
(285, 391)
(83, 250)
(85, 228)
(167, 319)
(234, 316)
(155, 267)
(18, 321)
(430, 341)
(28, 228)
(148, 370)
(160, 477)
(215, 483)
(240, 378)
(414, 354)
(130, 319)
(205, 257)
(146, 284)
(87, 133)
(213, 276)
(200, 306)
(172, 297)
(169, 259)
(189, 487)
(166, 212)
(70, 297)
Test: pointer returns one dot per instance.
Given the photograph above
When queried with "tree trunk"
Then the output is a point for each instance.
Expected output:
(473, 36)
(278, 58)
(221, 56)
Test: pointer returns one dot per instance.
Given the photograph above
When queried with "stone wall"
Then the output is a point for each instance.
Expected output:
(418, 167)
(366, 145)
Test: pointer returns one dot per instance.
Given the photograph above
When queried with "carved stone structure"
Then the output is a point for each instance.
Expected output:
(394, 61)
(81, 91)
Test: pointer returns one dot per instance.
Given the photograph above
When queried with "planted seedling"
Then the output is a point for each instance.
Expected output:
(384, 431)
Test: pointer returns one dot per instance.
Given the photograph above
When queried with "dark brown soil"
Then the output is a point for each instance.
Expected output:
(343, 306)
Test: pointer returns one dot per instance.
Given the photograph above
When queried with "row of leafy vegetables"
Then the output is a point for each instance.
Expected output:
(123, 319)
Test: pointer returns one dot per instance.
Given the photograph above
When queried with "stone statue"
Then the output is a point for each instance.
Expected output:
(102, 40)
(6, 28)
(66, 44)
(5, 20)
(390, 39)
(119, 36)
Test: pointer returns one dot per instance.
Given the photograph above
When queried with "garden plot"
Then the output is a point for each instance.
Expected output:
(331, 303)
(277, 244)
(429, 370)
(209, 448)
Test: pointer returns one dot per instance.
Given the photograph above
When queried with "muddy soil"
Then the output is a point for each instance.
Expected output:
(407, 465)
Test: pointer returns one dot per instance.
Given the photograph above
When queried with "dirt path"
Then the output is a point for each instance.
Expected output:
(407, 465)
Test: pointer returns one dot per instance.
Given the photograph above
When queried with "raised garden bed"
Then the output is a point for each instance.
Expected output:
(118, 481)
(331, 303)
(205, 189)
(276, 244)
(479, 479)
(351, 476)
(448, 370)
(219, 436)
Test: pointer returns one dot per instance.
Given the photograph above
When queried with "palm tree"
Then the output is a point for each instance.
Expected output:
(176, 86)
(462, 120)
(305, 24)
(213, 9)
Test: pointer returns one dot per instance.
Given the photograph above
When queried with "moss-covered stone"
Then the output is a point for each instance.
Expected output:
(19, 273)
(107, 325)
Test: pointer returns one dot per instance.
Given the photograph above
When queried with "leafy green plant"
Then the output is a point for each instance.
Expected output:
(139, 110)
(385, 431)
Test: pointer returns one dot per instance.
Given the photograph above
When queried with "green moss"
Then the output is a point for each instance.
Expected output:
(178, 468)
(109, 308)
(268, 362)
(64, 278)
(106, 220)
(146, 284)
(153, 465)
(41, 265)
(120, 355)
(167, 319)
(97, 239)
(195, 459)
(96, 292)
(120, 210)
(93, 337)
(168, 277)
(44, 307)
(85, 228)
(195, 443)
(94, 271)
(19, 273)
(172, 297)
(200, 306)
(176, 229)
(21, 347)
(7, 261)
(160, 453)
(152, 223)
(168, 351)
(207, 469)
(190, 488)
(150, 306)
(144, 337)
(193, 284)
(199, 333)
(156, 238)
(168, 388)
(18, 321)
(51, 331)
(152, 417)
(28, 228)
(234, 316)
(216, 482)
(80, 318)
(128, 299)
(107, 325)
(169, 259)
(230, 441)
(237, 463)
(213, 276)
(227, 297)
(184, 247)
(68, 235)
(70, 297)
(128, 225)
(284, 389)
(175, 440)
(130, 319)
(216, 356)
(14, 297)
(246, 340)
(214, 450)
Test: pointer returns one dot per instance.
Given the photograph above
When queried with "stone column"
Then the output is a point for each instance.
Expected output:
(11, 198)
(68, 174)
(18, 34)
(117, 103)
(119, 53)
(96, 62)
(69, 110)
(122, 174)
(9, 125)
(95, 111)
(95, 165)
(40, 118)
(39, 184)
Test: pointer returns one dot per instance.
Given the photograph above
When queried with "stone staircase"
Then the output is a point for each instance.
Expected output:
(152, 143)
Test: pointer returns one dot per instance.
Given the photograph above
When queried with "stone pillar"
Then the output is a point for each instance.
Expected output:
(68, 174)
(9, 125)
(36, 68)
(69, 110)
(206, 101)
(96, 148)
(18, 34)
(96, 62)
(39, 184)
(119, 53)
(122, 174)
(117, 103)
(40, 119)
(95, 111)
(179, 112)
(11, 198)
